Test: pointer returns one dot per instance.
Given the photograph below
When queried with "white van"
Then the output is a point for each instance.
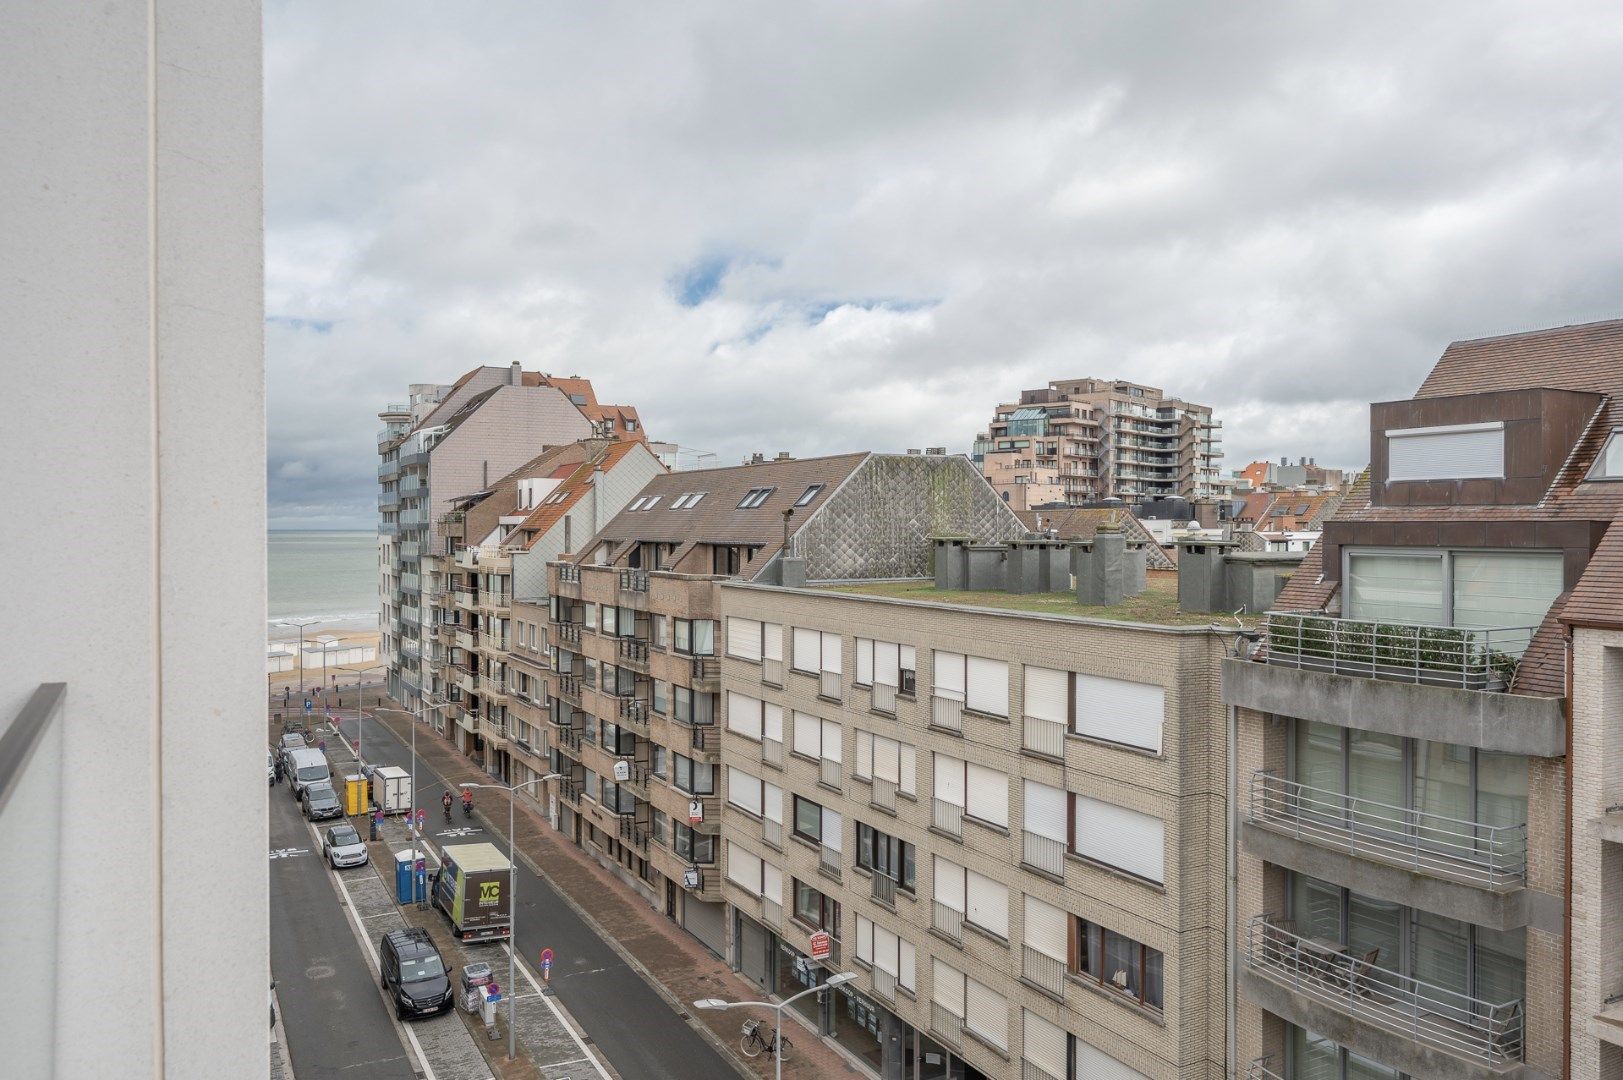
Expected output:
(305, 767)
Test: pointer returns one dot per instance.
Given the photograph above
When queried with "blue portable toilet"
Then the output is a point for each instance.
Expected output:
(402, 876)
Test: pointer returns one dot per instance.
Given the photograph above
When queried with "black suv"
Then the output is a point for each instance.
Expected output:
(414, 976)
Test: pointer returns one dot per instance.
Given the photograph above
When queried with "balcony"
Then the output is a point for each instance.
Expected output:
(467, 680)
(947, 817)
(634, 581)
(772, 833)
(772, 673)
(828, 773)
(633, 710)
(1316, 984)
(1042, 853)
(568, 687)
(634, 832)
(882, 795)
(883, 889)
(828, 862)
(569, 739)
(882, 698)
(495, 601)
(772, 752)
(1454, 656)
(828, 685)
(1045, 972)
(1261, 1069)
(1046, 737)
(705, 672)
(948, 922)
(1473, 871)
(947, 713)
(567, 633)
(568, 574)
(388, 500)
(632, 651)
(465, 598)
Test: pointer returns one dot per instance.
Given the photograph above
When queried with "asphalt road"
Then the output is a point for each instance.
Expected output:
(630, 1023)
(336, 1021)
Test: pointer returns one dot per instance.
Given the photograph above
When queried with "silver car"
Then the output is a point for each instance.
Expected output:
(343, 846)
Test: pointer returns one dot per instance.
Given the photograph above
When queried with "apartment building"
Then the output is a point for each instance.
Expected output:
(490, 587)
(1407, 902)
(634, 698)
(1102, 438)
(1009, 824)
(448, 442)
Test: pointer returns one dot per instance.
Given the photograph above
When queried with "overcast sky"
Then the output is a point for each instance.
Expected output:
(825, 227)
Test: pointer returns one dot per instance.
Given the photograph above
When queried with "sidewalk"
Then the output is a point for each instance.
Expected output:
(677, 965)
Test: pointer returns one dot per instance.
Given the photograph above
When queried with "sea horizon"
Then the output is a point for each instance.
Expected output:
(325, 574)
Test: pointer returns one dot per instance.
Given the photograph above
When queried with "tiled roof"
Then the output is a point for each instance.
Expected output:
(1584, 357)
(717, 518)
(1081, 522)
(1595, 601)
(577, 482)
(1543, 667)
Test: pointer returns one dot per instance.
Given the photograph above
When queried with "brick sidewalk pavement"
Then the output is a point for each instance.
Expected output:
(680, 967)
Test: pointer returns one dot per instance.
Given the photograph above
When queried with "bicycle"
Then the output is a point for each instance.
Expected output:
(753, 1043)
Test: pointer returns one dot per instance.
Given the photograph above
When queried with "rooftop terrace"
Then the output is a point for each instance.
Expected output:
(1156, 605)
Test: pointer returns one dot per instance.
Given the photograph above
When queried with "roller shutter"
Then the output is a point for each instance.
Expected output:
(988, 686)
(1120, 711)
(808, 735)
(1045, 928)
(771, 882)
(1045, 811)
(1460, 452)
(1048, 694)
(772, 721)
(808, 649)
(949, 884)
(865, 743)
(744, 869)
(986, 1013)
(949, 675)
(1095, 1064)
(988, 794)
(772, 641)
(831, 653)
(743, 790)
(744, 715)
(772, 802)
(949, 780)
(948, 988)
(1044, 1046)
(988, 903)
(865, 661)
(1119, 837)
(743, 638)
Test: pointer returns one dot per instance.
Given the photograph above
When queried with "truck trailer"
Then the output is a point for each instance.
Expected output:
(474, 887)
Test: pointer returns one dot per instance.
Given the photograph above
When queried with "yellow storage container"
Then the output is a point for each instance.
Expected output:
(355, 800)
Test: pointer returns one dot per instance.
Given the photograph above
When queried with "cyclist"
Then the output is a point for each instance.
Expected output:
(467, 802)
(445, 805)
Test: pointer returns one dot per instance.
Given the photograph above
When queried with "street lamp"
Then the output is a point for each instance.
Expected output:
(716, 1003)
(360, 674)
(512, 899)
(301, 624)
(423, 709)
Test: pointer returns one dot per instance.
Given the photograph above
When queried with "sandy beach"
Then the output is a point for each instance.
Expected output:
(343, 675)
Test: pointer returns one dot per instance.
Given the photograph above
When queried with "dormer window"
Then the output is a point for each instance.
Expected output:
(1609, 462)
(755, 497)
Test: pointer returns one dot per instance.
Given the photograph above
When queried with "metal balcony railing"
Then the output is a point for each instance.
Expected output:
(632, 650)
(882, 794)
(772, 672)
(1489, 856)
(771, 912)
(1466, 657)
(1042, 970)
(828, 772)
(772, 832)
(883, 889)
(1045, 737)
(884, 984)
(1261, 1069)
(947, 817)
(946, 713)
(882, 698)
(1456, 1023)
(947, 1025)
(949, 921)
(633, 832)
(828, 684)
(705, 669)
(634, 581)
(1030, 1071)
(634, 709)
(568, 687)
(1043, 853)
(828, 861)
(568, 575)
(568, 632)
(772, 752)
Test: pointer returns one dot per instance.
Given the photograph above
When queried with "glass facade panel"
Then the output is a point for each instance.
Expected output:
(1375, 771)
(1318, 755)
(1316, 908)
(1504, 588)
(1501, 788)
(1395, 588)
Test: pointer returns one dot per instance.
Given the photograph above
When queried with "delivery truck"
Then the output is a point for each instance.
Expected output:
(474, 887)
(391, 789)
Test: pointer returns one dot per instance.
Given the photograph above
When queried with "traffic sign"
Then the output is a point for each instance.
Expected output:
(308, 704)
(546, 956)
(822, 946)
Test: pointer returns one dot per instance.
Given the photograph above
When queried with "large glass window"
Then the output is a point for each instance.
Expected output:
(1395, 588)
(1453, 588)
(808, 820)
(1117, 962)
(885, 854)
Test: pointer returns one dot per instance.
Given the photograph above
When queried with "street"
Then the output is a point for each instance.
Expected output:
(336, 1021)
(631, 1024)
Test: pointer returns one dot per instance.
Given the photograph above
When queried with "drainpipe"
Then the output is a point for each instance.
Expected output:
(1229, 932)
(1566, 918)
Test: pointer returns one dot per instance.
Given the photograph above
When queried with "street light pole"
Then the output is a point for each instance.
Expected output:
(360, 734)
(423, 709)
(777, 1054)
(512, 900)
(301, 625)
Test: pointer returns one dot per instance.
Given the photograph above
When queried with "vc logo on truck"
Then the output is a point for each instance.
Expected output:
(490, 892)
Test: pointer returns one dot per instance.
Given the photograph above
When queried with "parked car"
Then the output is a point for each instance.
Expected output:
(414, 975)
(305, 766)
(292, 740)
(343, 847)
(321, 801)
(270, 767)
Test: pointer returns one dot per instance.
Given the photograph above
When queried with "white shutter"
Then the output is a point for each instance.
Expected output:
(808, 734)
(744, 715)
(949, 674)
(772, 721)
(949, 884)
(988, 903)
(1094, 1064)
(772, 641)
(906, 959)
(831, 740)
(949, 780)
(831, 653)
(808, 649)
(1045, 1045)
(885, 658)
(909, 770)
(1119, 837)
(909, 658)
(865, 661)
(833, 830)
(1045, 811)
(771, 882)
(986, 1013)
(864, 939)
(1045, 929)
(744, 869)
(864, 754)
(743, 638)
(772, 802)
(1047, 694)
(988, 795)
(887, 764)
(1459, 452)
(1120, 711)
(948, 991)
(988, 686)
(885, 953)
(743, 790)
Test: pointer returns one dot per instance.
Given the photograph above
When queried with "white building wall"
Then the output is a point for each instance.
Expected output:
(130, 176)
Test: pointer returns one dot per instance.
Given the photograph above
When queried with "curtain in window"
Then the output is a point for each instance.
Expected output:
(1316, 908)
(1318, 755)
(1442, 787)
(1442, 947)
(1395, 588)
(1501, 965)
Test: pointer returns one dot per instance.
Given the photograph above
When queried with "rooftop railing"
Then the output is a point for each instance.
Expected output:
(1471, 658)
(1456, 1023)
(634, 581)
(1490, 856)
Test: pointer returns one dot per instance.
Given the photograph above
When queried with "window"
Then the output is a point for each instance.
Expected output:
(888, 952)
(744, 791)
(815, 651)
(755, 497)
(808, 820)
(1118, 837)
(693, 708)
(1609, 462)
(660, 638)
(808, 495)
(1453, 587)
(662, 697)
(1111, 710)
(887, 759)
(652, 501)
(816, 910)
(754, 874)
(749, 639)
(694, 777)
(981, 901)
(695, 636)
(884, 854)
(695, 847)
(659, 761)
(1045, 1046)
(611, 620)
(688, 500)
(660, 827)
(981, 684)
(1116, 962)
(816, 737)
(984, 1011)
(982, 792)
(1457, 452)
(887, 662)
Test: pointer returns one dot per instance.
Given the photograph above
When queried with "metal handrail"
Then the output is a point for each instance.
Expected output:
(772, 672)
(568, 575)
(947, 1025)
(828, 684)
(772, 751)
(1435, 1015)
(633, 649)
(949, 920)
(882, 698)
(947, 817)
(1040, 969)
(882, 794)
(1493, 856)
(946, 713)
(772, 833)
(828, 860)
(634, 580)
(829, 772)
(1043, 852)
(20, 741)
(883, 888)
(1259, 1070)
(1045, 737)
(1467, 657)
(884, 984)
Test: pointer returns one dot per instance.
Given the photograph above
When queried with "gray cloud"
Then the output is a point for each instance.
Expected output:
(827, 226)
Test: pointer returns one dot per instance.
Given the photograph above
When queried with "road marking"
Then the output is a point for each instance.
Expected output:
(289, 852)
(466, 830)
